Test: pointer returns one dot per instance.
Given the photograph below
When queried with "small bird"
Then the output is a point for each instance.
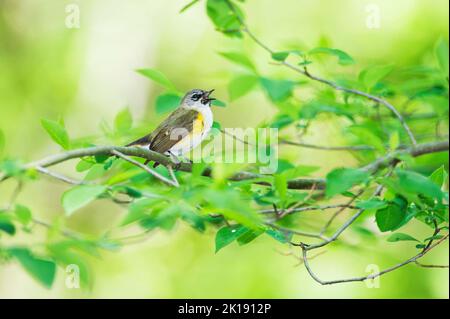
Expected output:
(182, 130)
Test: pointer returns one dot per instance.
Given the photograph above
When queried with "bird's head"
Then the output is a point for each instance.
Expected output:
(197, 99)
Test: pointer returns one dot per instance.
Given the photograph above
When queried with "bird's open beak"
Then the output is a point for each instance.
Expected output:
(206, 97)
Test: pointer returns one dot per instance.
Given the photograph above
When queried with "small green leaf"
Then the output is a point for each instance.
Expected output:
(158, 77)
(241, 85)
(280, 56)
(239, 59)
(278, 235)
(23, 214)
(372, 204)
(435, 237)
(226, 235)
(439, 176)
(342, 179)
(401, 237)
(249, 236)
(278, 90)
(80, 196)
(280, 183)
(40, 269)
(343, 58)
(374, 74)
(416, 183)
(390, 218)
(139, 209)
(57, 132)
(225, 19)
(123, 121)
(167, 102)
(6, 224)
(83, 165)
(216, 125)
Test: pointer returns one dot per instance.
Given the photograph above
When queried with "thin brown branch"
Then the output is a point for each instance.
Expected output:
(337, 213)
(146, 168)
(368, 277)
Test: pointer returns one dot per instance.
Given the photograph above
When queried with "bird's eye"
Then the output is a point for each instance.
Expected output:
(196, 97)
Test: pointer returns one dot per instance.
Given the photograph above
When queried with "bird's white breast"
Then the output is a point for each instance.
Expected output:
(194, 139)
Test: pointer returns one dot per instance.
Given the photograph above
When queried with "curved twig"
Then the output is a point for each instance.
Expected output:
(372, 276)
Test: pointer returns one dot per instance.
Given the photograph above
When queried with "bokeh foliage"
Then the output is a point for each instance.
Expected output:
(416, 192)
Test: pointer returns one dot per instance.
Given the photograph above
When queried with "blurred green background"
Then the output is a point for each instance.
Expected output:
(87, 75)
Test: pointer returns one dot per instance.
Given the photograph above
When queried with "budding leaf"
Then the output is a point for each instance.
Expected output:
(158, 77)
(342, 179)
(343, 58)
(401, 237)
(80, 196)
(57, 132)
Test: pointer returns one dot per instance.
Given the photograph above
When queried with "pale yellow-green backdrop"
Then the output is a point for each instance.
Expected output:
(87, 74)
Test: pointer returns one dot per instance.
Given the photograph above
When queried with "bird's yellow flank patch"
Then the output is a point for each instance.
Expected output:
(199, 124)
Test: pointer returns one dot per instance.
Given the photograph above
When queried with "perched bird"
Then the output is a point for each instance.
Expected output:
(182, 130)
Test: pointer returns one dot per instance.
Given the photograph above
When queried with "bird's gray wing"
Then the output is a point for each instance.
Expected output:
(170, 131)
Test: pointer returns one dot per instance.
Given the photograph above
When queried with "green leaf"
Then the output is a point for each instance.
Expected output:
(6, 225)
(278, 235)
(416, 183)
(249, 236)
(224, 18)
(342, 179)
(226, 235)
(231, 204)
(190, 4)
(123, 121)
(374, 74)
(343, 58)
(441, 52)
(280, 56)
(80, 196)
(158, 77)
(239, 59)
(280, 183)
(164, 218)
(401, 237)
(372, 204)
(278, 90)
(439, 176)
(139, 209)
(83, 165)
(391, 217)
(434, 237)
(241, 85)
(57, 132)
(40, 269)
(167, 102)
(23, 214)
(11, 167)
